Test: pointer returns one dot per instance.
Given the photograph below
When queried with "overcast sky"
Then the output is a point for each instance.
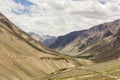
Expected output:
(58, 17)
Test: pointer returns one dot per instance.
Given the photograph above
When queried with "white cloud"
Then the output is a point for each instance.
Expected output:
(58, 17)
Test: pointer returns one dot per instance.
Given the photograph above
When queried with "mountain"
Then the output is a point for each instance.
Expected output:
(24, 58)
(76, 42)
(44, 39)
(104, 50)
(49, 41)
(100, 43)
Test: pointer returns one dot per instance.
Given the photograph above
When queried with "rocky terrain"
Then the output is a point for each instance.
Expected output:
(76, 42)
(104, 50)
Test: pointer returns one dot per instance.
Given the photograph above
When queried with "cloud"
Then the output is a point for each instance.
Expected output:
(58, 17)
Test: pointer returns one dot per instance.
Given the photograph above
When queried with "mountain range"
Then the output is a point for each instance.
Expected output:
(90, 42)
(44, 39)
(91, 54)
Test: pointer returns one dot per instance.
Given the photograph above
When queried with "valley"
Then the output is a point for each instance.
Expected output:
(24, 58)
(59, 39)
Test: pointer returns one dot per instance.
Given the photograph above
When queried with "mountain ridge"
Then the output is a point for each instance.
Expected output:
(84, 38)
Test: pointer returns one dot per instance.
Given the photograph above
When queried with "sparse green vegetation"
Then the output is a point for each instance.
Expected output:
(61, 70)
(86, 57)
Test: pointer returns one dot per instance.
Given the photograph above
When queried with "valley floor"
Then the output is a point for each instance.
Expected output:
(101, 71)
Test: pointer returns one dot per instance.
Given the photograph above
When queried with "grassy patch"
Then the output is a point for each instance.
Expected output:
(86, 57)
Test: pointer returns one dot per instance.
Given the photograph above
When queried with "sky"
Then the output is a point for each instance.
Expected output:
(59, 17)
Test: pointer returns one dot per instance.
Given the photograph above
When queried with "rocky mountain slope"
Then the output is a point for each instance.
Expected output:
(44, 39)
(104, 50)
(24, 58)
(75, 42)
